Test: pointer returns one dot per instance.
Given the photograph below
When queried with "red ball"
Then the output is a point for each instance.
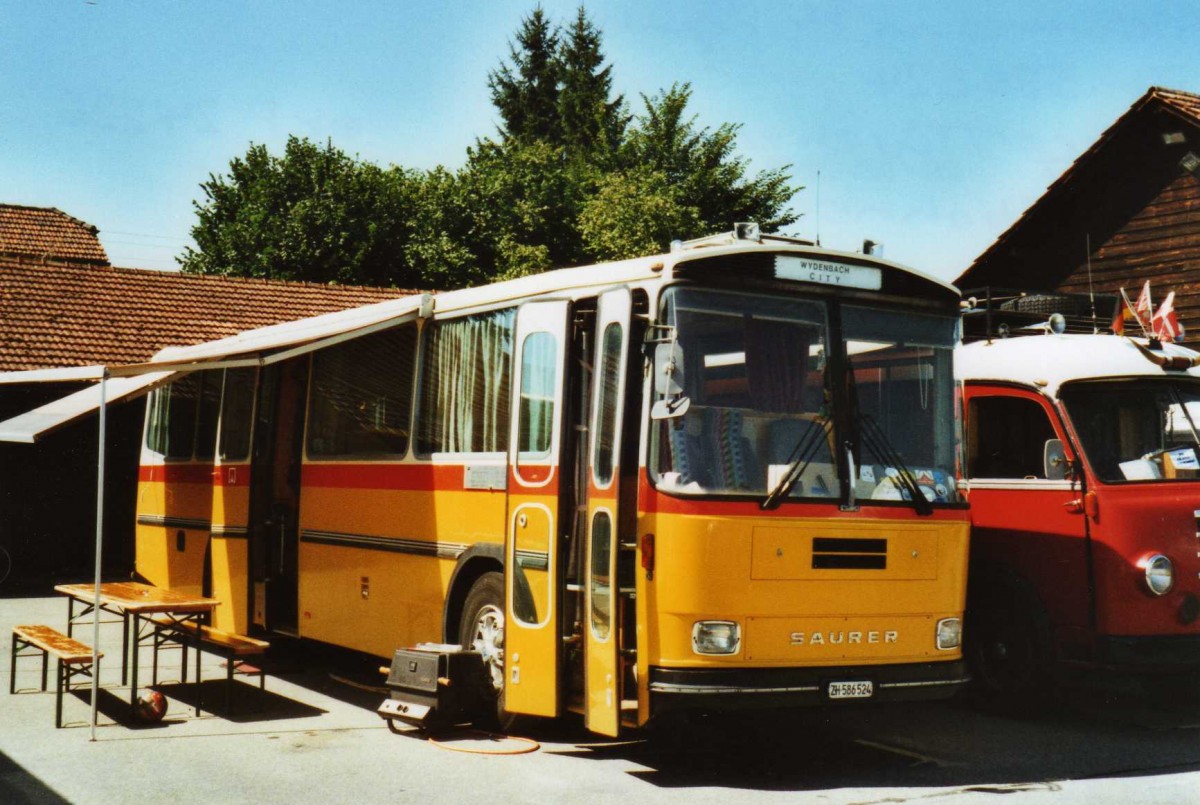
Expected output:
(151, 706)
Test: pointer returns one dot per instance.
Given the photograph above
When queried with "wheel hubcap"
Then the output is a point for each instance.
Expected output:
(489, 642)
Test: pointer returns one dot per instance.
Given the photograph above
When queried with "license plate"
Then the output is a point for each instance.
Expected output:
(862, 689)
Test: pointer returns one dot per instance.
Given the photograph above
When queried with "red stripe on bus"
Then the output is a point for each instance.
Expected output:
(409, 477)
(176, 473)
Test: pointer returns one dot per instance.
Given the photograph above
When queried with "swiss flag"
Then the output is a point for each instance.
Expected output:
(1165, 325)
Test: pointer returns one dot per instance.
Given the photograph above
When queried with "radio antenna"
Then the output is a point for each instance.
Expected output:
(818, 208)
(1087, 239)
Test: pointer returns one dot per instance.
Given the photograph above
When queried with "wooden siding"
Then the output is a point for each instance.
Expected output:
(1160, 243)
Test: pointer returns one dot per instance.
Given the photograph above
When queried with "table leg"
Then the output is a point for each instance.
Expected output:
(124, 644)
(70, 616)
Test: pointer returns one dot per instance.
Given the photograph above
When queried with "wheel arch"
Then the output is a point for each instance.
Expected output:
(480, 558)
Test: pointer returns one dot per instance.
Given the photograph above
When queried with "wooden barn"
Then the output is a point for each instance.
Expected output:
(1126, 211)
(62, 304)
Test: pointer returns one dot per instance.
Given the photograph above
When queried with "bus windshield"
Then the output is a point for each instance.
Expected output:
(758, 382)
(1137, 430)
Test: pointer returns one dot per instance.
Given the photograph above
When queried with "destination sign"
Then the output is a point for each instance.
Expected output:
(806, 269)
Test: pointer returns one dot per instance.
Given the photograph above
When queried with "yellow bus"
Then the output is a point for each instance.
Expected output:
(718, 478)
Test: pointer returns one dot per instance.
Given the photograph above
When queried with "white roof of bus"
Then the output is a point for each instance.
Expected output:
(1048, 361)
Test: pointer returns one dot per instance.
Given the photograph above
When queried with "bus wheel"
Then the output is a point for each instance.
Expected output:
(482, 629)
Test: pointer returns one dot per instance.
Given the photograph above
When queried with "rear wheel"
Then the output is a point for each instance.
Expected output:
(482, 629)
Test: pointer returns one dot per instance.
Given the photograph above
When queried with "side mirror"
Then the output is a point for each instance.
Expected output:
(1054, 460)
(668, 369)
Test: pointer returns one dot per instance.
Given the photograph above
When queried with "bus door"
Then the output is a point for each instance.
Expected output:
(228, 565)
(602, 676)
(1026, 523)
(532, 633)
(275, 495)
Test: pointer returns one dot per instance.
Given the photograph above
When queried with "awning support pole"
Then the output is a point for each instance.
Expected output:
(99, 547)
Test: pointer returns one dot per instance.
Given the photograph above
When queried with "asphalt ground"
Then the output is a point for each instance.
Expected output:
(313, 736)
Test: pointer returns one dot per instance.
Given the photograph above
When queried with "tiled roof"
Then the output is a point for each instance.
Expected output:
(44, 234)
(67, 315)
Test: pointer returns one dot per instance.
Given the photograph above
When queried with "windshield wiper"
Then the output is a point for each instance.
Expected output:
(798, 460)
(877, 441)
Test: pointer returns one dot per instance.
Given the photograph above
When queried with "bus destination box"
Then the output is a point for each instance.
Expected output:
(433, 684)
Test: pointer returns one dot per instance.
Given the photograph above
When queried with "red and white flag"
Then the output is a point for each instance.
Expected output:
(1144, 308)
(1165, 325)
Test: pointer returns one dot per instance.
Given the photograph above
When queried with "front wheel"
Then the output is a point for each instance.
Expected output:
(482, 629)
(1009, 648)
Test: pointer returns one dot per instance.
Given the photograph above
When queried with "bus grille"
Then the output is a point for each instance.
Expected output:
(841, 553)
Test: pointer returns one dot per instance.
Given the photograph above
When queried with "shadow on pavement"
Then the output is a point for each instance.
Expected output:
(248, 703)
(931, 745)
(19, 787)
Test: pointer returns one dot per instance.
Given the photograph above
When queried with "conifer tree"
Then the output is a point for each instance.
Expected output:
(592, 124)
(525, 91)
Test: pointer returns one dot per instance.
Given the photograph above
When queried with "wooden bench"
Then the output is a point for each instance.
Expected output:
(235, 648)
(74, 659)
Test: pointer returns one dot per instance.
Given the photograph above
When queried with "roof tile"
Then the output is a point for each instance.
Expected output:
(46, 234)
(68, 315)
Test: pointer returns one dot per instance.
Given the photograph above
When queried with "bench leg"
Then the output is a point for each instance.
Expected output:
(133, 672)
(45, 661)
(12, 676)
(58, 697)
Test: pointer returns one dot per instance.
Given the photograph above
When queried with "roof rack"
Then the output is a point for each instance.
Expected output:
(991, 312)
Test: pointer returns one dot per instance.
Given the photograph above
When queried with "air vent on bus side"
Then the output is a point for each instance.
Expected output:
(841, 553)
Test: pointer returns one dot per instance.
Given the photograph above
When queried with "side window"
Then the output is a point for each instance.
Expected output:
(237, 412)
(1007, 437)
(466, 373)
(539, 373)
(172, 430)
(206, 417)
(606, 418)
(361, 397)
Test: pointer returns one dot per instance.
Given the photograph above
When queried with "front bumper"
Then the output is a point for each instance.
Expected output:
(725, 689)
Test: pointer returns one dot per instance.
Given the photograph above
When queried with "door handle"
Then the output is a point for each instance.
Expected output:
(1083, 505)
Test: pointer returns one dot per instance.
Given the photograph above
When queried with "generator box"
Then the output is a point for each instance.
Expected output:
(434, 683)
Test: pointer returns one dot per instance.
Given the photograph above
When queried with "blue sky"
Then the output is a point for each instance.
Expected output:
(933, 125)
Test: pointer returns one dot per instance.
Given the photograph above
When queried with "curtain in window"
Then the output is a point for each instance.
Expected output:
(777, 364)
(465, 391)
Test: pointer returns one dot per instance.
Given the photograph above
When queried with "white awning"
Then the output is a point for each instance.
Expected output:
(291, 338)
(27, 428)
(278, 341)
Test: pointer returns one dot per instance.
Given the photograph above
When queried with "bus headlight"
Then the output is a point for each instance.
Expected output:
(716, 637)
(1160, 573)
(949, 633)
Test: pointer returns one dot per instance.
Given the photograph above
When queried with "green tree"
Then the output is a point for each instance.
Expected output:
(704, 167)
(592, 122)
(525, 91)
(523, 200)
(633, 213)
(312, 214)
